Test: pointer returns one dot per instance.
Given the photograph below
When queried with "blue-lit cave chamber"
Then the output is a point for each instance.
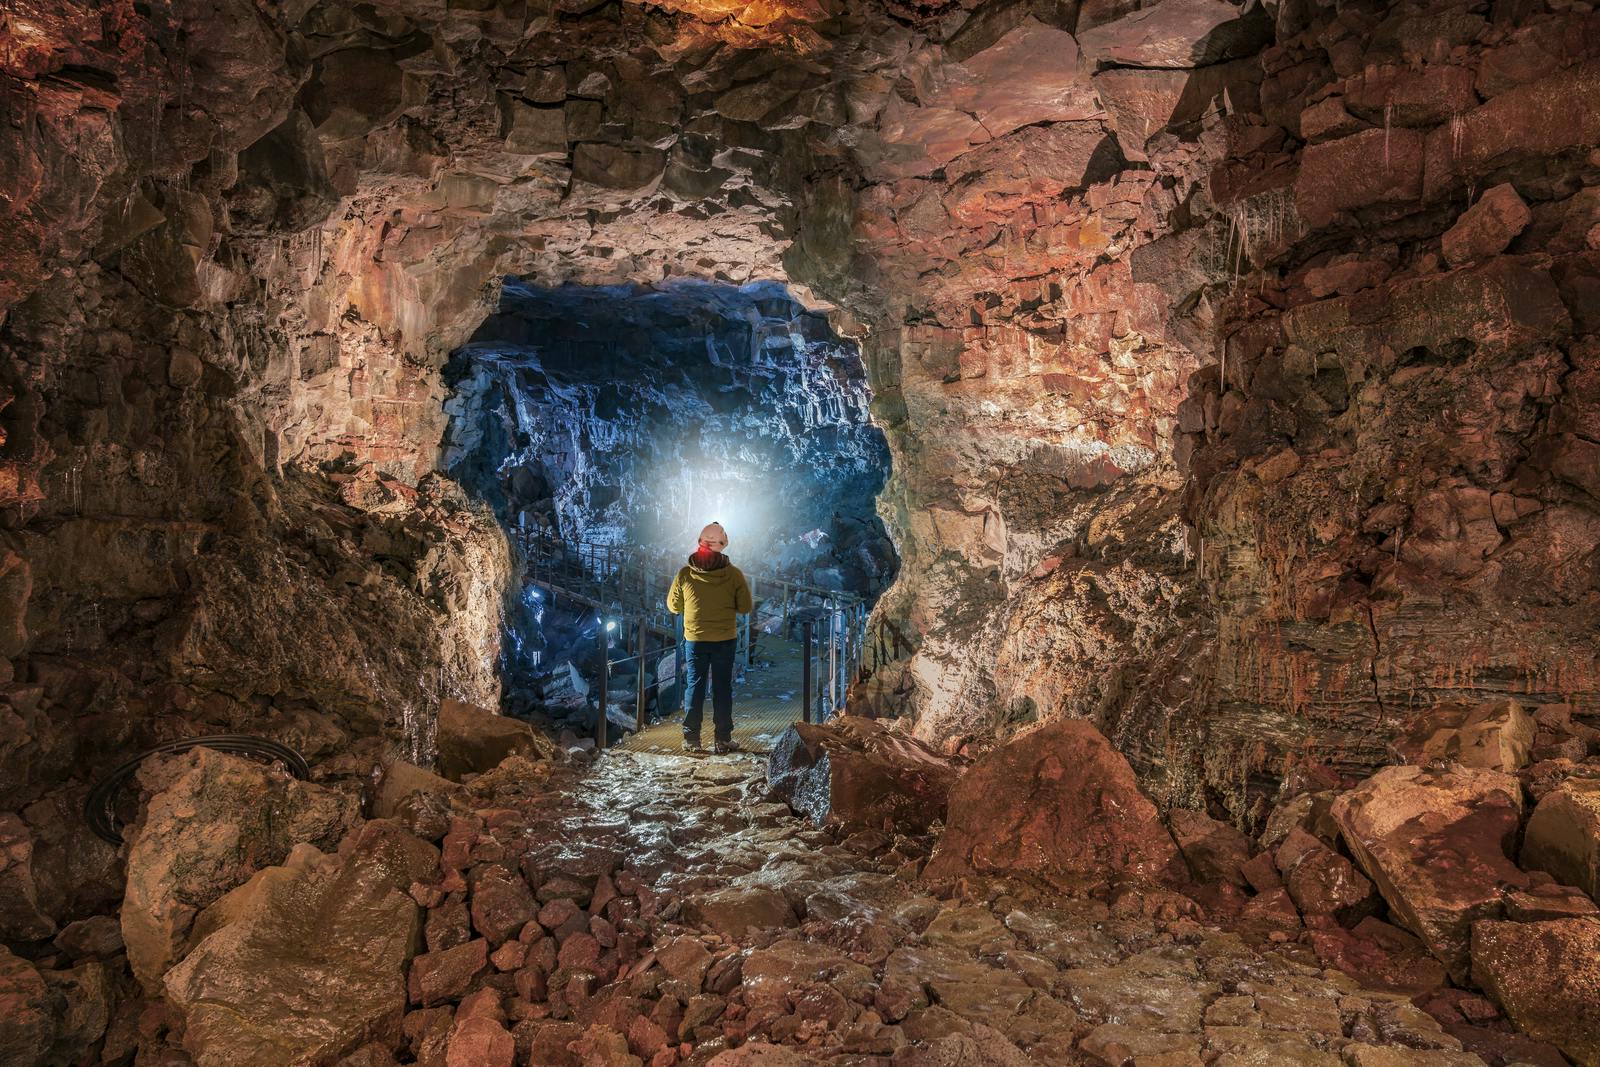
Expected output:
(606, 426)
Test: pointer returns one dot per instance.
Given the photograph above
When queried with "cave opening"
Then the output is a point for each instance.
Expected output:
(606, 425)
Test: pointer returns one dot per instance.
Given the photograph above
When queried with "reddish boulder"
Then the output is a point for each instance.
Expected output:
(1546, 976)
(301, 964)
(1379, 955)
(1496, 736)
(858, 773)
(214, 820)
(1487, 227)
(1060, 803)
(26, 1027)
(735, 911)
(473, 740)
(502, 903)
(20, 917)
(1261, 873)
(478, 1041)
(447, 975)
(1271, 911)
(1215, 851)
(1550, 901)
(1321, 881)
(1435, 843)
(1563, 836)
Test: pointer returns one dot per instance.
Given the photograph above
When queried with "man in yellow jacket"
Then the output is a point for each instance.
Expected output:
(709, 593)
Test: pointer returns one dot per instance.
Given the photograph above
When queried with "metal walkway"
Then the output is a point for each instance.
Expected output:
(799, 649)
(765, 702)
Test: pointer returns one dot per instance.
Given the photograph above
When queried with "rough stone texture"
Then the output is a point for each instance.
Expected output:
(1546, 975)
(861, 774)
(1320, 881)
(283, 271)
(1214, 851)
(1563, 835)
(1487, 227)
(1435, 843)
(472, 740)
(215, 822)
(736, 911)
(1497, 736)
(27, 1028)
(20, 917)
(1214, 449)
(1059, 803)
(303, 963)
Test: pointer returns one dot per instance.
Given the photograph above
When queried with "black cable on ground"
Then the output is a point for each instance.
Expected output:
(97, 806)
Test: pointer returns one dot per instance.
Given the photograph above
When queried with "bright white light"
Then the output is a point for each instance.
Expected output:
(611, 624)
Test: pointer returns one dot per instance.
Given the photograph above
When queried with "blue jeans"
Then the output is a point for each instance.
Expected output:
(708, 661)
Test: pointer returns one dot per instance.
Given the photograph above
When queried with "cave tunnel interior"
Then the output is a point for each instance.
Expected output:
(629, 417)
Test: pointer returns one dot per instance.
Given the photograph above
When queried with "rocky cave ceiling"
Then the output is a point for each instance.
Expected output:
(1236, 362)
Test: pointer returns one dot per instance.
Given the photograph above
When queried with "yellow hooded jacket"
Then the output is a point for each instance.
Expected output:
(708, 600)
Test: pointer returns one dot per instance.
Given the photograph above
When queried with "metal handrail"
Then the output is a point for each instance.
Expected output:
(617, 580)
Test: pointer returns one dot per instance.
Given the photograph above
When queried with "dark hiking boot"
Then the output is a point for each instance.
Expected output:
(722, 748)
(692, 744)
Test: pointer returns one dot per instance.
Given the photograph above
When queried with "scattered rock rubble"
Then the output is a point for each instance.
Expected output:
(653, 909)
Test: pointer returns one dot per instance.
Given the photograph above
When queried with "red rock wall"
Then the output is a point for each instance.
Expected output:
(1391, 466)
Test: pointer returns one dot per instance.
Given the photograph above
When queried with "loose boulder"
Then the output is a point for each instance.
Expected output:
(473, 740)
(20, 917)
(1322, 882)
(1563, 835)
(1435, 842)
(26, 1028)
(736, 911)
(305, 963)
(1487, 227)
(405, 790)
(1546, 975)
(1497, 736)
(858, 773)
(1061, 804)
(1215, 851)
(218, 820)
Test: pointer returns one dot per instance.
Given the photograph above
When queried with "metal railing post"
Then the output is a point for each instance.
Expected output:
(644, 642)
(805, 671)
(605, 679)
(749, 624)
(832, 661)
(679, 658)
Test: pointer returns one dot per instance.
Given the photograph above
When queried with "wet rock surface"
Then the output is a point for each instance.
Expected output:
(1239, 367)
(214, 821)
(653, 909)
(1061, 804)
(862, 774)
(1547, 976)
(1436, 844)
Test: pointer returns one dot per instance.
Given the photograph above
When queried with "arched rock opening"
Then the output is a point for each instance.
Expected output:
(630, 417)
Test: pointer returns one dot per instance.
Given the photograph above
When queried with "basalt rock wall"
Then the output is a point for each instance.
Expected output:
(1390, 461)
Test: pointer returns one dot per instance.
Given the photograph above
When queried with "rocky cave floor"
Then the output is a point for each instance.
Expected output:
(557, 908)
(712, 919)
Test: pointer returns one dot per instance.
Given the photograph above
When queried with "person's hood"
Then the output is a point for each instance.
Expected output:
(708, 562)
